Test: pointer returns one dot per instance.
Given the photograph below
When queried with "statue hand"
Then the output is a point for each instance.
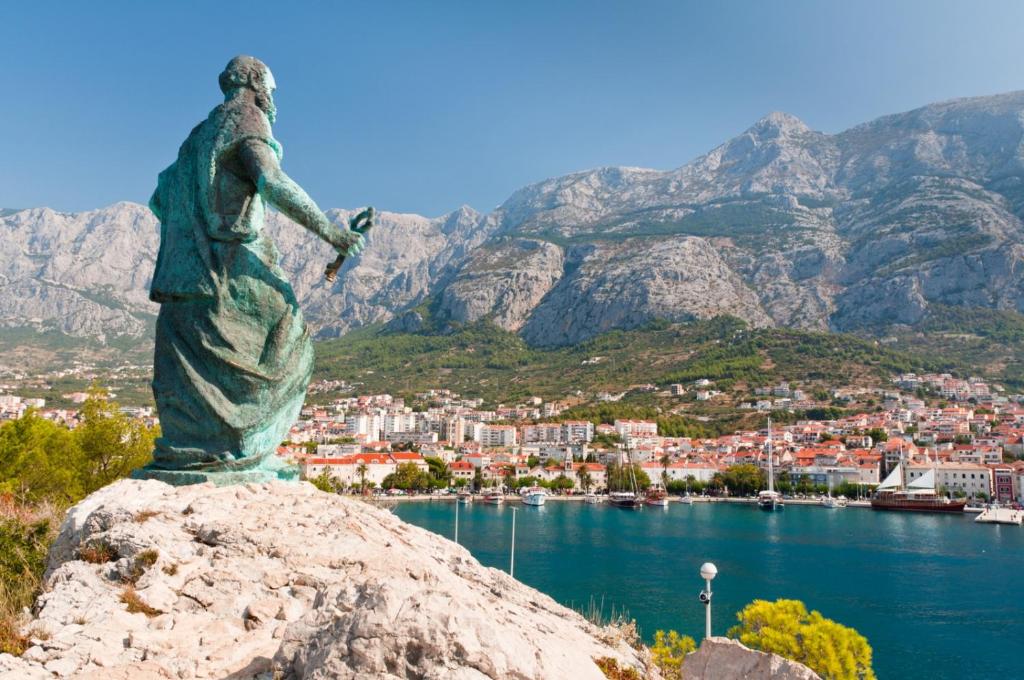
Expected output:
(348, 242)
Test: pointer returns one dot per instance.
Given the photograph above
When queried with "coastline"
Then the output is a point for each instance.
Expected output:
(579, 498)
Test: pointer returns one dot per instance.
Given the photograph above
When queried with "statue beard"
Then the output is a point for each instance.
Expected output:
(265, 102)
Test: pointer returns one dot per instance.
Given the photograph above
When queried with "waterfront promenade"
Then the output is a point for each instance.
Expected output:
(579, 498)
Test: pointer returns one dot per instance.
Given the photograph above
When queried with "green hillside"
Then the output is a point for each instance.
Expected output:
(483, 361)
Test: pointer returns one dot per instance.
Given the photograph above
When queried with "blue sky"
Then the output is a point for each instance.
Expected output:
(424, 106)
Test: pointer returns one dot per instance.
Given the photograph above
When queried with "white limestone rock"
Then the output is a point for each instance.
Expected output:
(503, 283)
(629, 284)
(720, 658)
(281, 580)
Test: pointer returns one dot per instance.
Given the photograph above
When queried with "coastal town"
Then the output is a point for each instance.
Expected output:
(969, 433)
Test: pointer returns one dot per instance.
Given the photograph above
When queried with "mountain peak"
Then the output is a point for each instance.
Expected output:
(778, 123)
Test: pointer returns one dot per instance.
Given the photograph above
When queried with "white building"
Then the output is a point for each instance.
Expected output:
(346, 470)
(574, 431)
(542, 432)
(971, 479)
(636, 428)
(498, 435)
(369, 425)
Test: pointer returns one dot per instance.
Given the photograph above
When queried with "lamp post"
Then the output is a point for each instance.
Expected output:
(708, 571)
(512, 556)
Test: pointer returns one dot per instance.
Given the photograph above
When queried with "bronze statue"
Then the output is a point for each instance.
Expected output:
(233, 356)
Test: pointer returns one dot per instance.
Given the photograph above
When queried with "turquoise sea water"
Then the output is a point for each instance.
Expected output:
(936, 596)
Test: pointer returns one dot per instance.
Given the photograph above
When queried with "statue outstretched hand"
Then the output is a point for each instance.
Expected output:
(350, 242)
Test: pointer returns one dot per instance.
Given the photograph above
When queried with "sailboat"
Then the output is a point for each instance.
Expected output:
(917, 496)
(770, 500)
(627, 500)
(656, 495)
(833, 502)
(687, 499)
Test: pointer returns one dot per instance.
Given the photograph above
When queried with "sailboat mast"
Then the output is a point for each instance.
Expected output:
(771, 464)
(632, 472)
(903, 469)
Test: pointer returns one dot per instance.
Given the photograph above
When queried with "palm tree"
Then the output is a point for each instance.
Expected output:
(510, 477)
(361, 470)
(665, 461)
(584, 477)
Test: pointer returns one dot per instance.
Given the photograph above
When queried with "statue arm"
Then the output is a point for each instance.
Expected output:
(154, 205)
(286, 195)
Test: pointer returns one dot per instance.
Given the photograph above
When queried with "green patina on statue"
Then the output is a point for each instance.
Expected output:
(233, 356)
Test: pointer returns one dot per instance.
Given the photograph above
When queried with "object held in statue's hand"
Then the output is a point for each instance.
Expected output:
(360, 224)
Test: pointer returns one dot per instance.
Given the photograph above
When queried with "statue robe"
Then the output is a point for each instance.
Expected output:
(233, 357)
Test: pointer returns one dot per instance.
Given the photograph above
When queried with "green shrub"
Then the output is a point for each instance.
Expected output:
(784, 627)
(669, 650)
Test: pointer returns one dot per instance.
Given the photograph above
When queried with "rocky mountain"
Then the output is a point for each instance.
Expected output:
(87, 274)
(781, 225)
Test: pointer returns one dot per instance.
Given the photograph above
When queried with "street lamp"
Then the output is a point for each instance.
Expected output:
(512, 555)
(708, 571)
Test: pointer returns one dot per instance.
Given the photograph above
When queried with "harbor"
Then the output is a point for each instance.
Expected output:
(856, 567)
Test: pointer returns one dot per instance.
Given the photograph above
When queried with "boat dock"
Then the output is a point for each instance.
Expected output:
(1001, 516)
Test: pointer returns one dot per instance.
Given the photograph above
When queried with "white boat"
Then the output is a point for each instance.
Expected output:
(834, 502)
(686, 500)
(465, 497)
(494, 497)
(592, 499)
(535, 495)
(770, 500)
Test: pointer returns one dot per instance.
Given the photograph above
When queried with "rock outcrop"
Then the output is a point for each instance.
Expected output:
(283, 581)
(720, 658)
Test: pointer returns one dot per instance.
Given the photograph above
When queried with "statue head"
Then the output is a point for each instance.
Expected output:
(249, 74)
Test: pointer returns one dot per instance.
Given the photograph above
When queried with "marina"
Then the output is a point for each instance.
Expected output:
(852, 566)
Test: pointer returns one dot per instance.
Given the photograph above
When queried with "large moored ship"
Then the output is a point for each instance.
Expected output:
(918, 496)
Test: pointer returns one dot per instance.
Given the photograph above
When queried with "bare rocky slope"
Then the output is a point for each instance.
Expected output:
(280, 581)
(781, 225)
(284, 581)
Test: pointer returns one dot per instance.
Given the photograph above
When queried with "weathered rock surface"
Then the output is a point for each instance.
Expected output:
(504, 283)
(859, 229)
(627, 284)
(283, 581)
(720, 658)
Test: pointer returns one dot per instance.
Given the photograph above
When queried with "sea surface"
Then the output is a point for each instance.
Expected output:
(937, 596)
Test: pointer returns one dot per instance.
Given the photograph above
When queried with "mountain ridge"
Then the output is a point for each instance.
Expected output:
(780, 226)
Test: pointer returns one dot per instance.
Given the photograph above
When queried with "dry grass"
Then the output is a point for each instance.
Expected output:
(170, 569)
(25, 536)
(97, 552)
(135, 605)
(11, 639)
(611, 669)
(39, 634)
(143, 561)
(144, 515)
